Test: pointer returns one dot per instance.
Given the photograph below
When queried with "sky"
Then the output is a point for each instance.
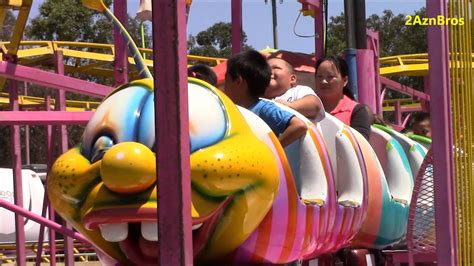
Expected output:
(257, 19)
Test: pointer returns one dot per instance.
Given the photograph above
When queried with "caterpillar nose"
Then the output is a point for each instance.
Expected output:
(128, 167)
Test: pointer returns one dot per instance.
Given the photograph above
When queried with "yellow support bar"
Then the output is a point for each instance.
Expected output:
(3, 13)
(24, 6)
(25, 101)
(462, 93)
(11, 3)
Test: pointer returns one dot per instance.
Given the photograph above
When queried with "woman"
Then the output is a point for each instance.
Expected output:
(331, 87)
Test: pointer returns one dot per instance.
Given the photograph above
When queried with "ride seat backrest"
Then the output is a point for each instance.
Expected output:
(306, 163)
(344, 156)
(394, 164)
(414, 151)
(308, 174)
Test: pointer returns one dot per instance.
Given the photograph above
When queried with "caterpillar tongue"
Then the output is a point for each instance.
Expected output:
(148, 248)
(139, 250)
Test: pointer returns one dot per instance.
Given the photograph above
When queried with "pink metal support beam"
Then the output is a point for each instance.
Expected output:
(409, 109)
(44, 118)
(50, 158)
(314, 3)
(42, 229)
(441, 124)
(236, 26)
(426, 88)
(17, 179)
(27, 132)
(121, 60)
(39, 219)
(374, 44)
(319, 30)
(398, 114)
(366, 78)
(52, 80)
(63, 146)
(172, 132)
(61, 100)
(403, 89)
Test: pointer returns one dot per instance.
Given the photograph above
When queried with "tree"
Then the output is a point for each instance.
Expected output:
(216, 41)
(395, 37)
(68, 20)
(7, 26)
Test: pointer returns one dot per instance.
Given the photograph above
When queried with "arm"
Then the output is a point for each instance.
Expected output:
(361, 120)
(296, 128)
(308, 106)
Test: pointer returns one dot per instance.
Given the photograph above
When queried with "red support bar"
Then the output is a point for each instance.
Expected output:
(17, 178)
(398, 114)
(50, 158)
(52, 80)
(120, 60)
(409, 109)
(44, 118)
(319, 30)
(63, 147)
(314, 3)
(236, 26)
(39, 219)
(172, 132)
(403, 89)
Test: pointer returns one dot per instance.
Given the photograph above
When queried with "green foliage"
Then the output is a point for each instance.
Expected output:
(7, 27)
(68, 20)
(336, 35)
(395, 37)
(216, 41)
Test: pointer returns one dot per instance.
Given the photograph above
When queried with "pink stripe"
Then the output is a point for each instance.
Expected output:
(300, 231)
(280, 218)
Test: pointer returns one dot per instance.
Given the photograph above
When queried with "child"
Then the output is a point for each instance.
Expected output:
(203, 72)
(420, 124)
(283, 89)
(246, 80)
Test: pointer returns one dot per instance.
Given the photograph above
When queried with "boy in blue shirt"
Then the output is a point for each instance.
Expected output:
(248, 75)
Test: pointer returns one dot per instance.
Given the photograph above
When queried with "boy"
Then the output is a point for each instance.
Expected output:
(283, 89)
(247, 77)
(421, 124)
(203, 72)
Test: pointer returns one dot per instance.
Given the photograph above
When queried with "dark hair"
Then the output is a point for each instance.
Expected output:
(342, 67)
(419, 117)
(203, 72)
(253, 68)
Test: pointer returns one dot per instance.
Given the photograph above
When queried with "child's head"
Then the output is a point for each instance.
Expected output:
(420, 124)
(203, 72)
(283, 77)
(248, 75)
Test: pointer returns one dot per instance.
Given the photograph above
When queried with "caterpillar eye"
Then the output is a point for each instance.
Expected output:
(207, 117)
(101, 146)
